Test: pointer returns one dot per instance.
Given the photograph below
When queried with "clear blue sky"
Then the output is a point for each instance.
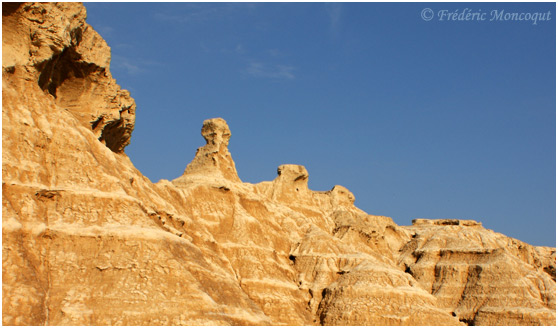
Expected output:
(419, 119)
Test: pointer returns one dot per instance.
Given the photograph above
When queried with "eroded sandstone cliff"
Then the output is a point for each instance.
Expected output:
(88, 240)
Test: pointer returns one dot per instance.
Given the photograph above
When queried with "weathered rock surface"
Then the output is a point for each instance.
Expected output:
(212, 160)
(52, 45)
(88, 240)
(483, 277)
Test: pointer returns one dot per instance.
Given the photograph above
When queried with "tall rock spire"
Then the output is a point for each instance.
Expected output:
(214, 159)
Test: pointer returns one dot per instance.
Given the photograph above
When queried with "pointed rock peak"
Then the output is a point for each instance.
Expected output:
(214, 159)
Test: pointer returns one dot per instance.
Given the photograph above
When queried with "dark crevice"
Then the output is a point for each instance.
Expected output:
(468, 322)
(47, 194)
(95, 123)
(408, 270)
(302, 177)
(76, 35)
(322, 319)
(112, 135)
(321, 308)
(292, 258)
(47, 68)
(62, 67)
(450, 222)
(551, 270)
(9, 8)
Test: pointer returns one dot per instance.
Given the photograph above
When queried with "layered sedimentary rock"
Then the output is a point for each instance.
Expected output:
(483, 277)
(88, 240)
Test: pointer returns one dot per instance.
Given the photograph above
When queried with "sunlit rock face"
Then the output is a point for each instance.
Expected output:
(88, 240)
(214, 158)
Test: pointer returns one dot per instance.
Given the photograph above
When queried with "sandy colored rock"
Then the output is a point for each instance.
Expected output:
(483, 277)
(88, 240)
(52, 45)
(213, 159)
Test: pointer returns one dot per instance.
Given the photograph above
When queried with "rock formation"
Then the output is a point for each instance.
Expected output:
(88, 240)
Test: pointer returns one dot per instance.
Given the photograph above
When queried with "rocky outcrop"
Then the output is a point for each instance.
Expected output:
(481, 276)
(88, 240)
(213, 159)
(52, 45)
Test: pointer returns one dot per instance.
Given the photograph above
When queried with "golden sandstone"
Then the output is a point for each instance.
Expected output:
(88, 240)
